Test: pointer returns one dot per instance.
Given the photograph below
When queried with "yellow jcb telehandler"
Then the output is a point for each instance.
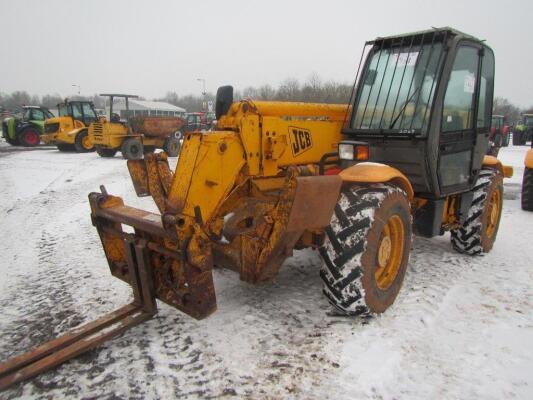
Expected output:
(407, 154)
(69, 130)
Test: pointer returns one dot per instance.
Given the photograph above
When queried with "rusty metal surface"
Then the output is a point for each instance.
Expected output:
(88, 336)
(314, 202)
(179, 270)
(152, 176)
(139, 177)
(140, 219)
(156, 126)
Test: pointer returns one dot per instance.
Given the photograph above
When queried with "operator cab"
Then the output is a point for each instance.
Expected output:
(528, 120)
(36, 114)
(423, 103)
(82, 111)
(115, 117)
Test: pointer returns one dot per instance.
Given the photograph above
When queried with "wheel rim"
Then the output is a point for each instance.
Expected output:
(493, 213)
(390, 252)
(32, 137)
(86, 143)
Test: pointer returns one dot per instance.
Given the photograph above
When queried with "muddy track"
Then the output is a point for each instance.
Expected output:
(172, 351)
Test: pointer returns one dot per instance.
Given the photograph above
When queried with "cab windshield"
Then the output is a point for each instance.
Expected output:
(396, 90)
(62, 109)
(528, 120)
(27, 114)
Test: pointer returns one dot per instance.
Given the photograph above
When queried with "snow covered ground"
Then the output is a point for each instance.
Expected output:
(461, 328)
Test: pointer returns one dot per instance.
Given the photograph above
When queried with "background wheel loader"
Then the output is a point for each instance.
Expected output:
(26, 131)
(69, 131)
(523, 132)
(134, 136)
(527, 181)
(353, 181)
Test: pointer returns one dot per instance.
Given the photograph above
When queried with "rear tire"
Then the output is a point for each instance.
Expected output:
(527, 190)
(479, 231)
(172, 146)
(506, 140)
(63, 147)
(12, 142)
(519, 138)
(367, 249)
(132, 149)
(82, 143)
(106, 153)
(29, 137)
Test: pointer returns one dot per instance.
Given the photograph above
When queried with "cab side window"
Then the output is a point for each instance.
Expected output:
(76, 111)
(458, 109)
(37, 115)
(88, 112)
(486, 91)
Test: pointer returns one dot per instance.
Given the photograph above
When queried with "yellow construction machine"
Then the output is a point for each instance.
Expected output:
(527, 181)
(69, 130)
(134, 135)
(407, 154)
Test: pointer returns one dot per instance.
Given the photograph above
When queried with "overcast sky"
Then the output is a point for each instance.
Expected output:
(151, 47)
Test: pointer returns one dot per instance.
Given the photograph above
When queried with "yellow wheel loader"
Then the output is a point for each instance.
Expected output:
(69, 131)
(527, 181)
(354, 181)
(134, 135)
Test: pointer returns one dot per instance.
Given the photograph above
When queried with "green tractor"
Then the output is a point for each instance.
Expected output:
(523, 132)
(26, 131)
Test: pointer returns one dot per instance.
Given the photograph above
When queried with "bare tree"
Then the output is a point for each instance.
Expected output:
(502, 106)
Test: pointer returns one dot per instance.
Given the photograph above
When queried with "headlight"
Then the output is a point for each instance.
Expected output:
(346, 151)
(353, 151)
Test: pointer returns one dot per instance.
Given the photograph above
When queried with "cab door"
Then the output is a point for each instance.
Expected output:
(466, 115)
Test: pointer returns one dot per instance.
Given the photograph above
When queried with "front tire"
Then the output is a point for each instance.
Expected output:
(104, 152)
(29, 137)
(172, 146)
(367, 249)
(82, 143)
(527, 190)
(479, 231)
(132, 149)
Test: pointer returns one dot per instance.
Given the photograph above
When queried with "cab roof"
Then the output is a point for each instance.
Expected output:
(444, 30)
(75, 101)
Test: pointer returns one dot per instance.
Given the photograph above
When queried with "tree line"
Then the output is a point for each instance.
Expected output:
(291, 89)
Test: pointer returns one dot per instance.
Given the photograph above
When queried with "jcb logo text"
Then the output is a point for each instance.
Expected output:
(300, 140)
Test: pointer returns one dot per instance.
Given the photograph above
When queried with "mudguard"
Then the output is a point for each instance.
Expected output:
(528, 162)
(494, 163)
(369, 172)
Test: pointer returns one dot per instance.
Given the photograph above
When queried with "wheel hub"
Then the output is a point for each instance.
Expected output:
(493, 213)
(86, 143)
(390, 252)
(384, 251)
